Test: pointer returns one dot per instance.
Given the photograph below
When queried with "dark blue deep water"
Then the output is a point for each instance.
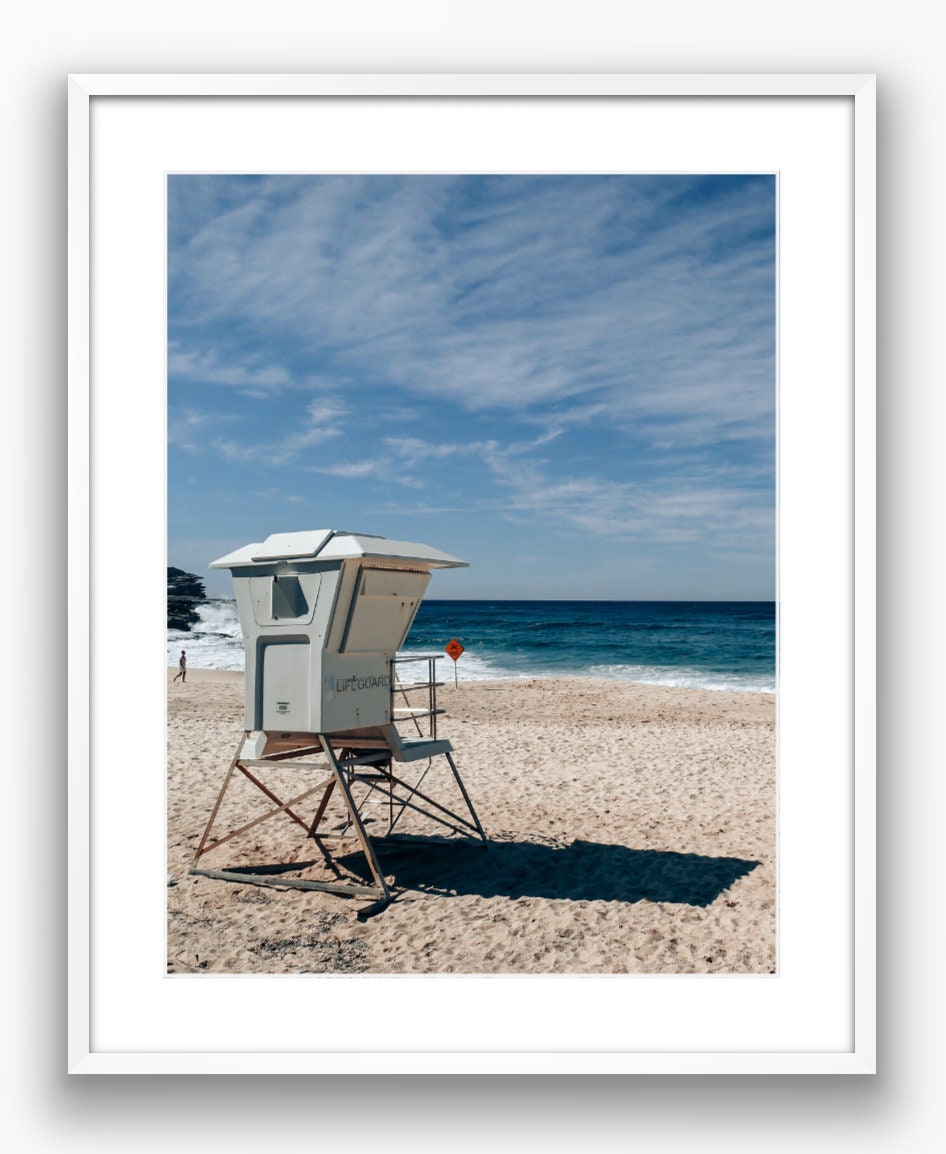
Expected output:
(698, 644)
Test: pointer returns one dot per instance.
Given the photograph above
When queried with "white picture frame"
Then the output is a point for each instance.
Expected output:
(100, 532)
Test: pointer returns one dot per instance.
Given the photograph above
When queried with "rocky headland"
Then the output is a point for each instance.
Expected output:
(185, 592)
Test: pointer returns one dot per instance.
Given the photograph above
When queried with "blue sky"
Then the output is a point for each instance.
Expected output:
(568, 381)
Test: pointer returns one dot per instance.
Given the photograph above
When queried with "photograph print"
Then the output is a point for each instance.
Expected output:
(471, 517)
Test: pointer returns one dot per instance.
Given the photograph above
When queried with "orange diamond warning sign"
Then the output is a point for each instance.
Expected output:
(454, 648)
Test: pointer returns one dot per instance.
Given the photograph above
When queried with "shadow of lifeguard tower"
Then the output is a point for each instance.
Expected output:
(323, 615)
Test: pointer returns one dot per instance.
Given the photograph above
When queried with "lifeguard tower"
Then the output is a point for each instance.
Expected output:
(324, 614)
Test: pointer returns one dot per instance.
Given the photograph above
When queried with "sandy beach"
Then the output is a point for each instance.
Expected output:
(631, 829)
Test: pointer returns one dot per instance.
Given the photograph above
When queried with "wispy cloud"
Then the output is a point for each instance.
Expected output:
(322, 420)
(702, 502)
(206, 366)
(567, 292)
(187, 428)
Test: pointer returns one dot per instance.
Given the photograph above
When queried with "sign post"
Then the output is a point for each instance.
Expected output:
(454, 649)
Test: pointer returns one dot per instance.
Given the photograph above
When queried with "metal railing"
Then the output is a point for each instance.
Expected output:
(418, 714)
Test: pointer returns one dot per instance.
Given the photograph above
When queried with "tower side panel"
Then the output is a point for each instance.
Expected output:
(355, 691)
(383, 608)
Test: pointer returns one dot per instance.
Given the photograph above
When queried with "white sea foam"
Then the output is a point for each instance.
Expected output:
(469, 667)
(215, 641)
(686, 677)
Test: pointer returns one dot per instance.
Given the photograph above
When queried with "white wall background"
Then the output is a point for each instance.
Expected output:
(899, 42)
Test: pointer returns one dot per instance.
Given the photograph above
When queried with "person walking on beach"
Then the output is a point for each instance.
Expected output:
(181, 668)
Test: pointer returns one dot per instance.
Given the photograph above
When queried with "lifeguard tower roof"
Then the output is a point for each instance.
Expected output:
(335, 545)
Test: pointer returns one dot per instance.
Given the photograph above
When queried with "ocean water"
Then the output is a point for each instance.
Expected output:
(724, 645)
